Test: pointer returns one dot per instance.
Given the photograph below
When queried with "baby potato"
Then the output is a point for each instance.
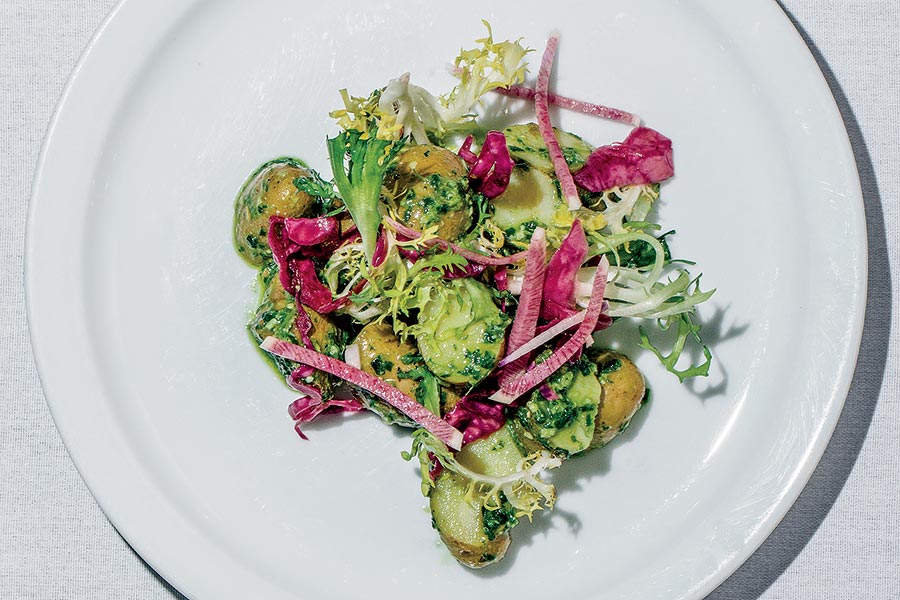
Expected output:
(458, 519)
(429, 186)
(476, 536)
(383, 354)
(461, 332)
(269, 191)
(623, 390)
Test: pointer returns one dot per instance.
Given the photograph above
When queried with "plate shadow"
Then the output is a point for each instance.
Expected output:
(786, 542)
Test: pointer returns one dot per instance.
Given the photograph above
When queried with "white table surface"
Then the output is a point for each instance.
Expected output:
(840, 540)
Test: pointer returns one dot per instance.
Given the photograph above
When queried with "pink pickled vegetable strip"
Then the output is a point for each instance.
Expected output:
(539, 373)
(408, 406)
(545, 336)
(529, 309)
(566, 183)
(470, 270)
(559, 291)
(588, 108)
(469, 255)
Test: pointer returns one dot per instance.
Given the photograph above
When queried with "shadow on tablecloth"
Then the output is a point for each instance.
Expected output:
(761, 570)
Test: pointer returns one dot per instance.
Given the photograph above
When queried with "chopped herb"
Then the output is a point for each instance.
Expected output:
(381, 365)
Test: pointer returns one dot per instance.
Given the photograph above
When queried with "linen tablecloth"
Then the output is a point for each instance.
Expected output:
(840, 540)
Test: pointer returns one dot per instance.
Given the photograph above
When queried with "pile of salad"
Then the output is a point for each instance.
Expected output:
(451, 279)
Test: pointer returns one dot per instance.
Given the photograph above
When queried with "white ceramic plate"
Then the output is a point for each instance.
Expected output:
(137, 301)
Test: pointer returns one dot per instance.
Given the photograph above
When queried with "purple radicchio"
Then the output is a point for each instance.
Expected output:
(295, 243)
(476, 418)
(492, 167)
(645, 156)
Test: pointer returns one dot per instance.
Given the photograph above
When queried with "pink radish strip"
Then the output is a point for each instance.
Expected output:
(469, 255)
(588, 108)
(566, 183)
(529, 308)
(543, 338)
(408, 406)
(539, 373)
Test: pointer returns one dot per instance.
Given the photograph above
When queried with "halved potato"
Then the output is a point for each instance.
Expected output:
(458, 520)
(623, 390)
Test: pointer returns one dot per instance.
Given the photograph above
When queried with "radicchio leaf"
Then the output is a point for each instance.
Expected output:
(559, 287)
(294, 243)
(306, 409)
(492, 167)
(476, 418)
(645, 156)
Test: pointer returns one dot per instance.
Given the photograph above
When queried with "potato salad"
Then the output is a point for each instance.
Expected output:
(452, 279)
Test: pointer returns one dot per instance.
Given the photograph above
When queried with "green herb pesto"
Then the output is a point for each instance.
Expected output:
(452, 322)
(564, 425)
(381, 365)
(499, 520)
(410, 359)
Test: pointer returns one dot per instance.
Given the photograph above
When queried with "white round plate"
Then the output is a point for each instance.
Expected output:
(138, 302)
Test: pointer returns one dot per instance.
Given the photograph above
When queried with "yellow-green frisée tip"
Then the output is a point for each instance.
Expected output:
(402, 108)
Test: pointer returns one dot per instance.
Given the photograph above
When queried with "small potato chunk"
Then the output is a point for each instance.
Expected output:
(269, 191)
(429, 186)
(532, 198)
(383, 354)
(623, 390)
(458, 520)
(461, 330)
(459, 516)
(526, 144)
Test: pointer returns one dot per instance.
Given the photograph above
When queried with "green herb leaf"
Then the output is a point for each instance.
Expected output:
(359, 161)
(685, 329)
